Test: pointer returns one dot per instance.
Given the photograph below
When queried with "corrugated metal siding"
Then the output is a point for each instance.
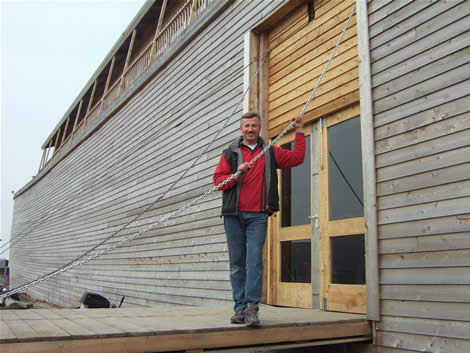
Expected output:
(123, 167)
(421, 98)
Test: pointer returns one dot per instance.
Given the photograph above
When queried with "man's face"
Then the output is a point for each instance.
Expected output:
(250, 130)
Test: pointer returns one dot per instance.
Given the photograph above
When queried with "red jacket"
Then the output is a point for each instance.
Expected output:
(252, 192)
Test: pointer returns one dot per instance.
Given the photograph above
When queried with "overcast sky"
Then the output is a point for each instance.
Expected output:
(49, 51)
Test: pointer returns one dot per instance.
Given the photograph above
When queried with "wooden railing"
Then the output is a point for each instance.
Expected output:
(162, 40)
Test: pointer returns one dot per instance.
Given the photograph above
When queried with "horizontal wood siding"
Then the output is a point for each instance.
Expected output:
(420, 61)
(121, 170)
(299, 52)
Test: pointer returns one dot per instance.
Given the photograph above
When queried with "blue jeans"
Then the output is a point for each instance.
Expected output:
(246, 234)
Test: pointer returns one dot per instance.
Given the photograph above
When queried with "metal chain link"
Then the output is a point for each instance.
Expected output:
(152, 225)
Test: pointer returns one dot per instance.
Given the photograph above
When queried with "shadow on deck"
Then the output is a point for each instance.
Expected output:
(173, 329)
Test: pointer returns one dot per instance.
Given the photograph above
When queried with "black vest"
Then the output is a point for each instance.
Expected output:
(230, 197)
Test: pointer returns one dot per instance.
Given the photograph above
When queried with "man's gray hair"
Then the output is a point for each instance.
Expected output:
(250, 115)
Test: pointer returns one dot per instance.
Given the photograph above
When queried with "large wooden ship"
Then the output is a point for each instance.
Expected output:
(376, 221)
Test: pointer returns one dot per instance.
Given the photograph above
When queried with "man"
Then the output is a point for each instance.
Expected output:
(247, 202)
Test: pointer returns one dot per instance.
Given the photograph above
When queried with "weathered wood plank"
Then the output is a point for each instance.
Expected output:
(430, 293)
(424, 133)
(417, 40)
(436, 276)
(383, 10)
(427, 227)
(47, 329)
(448, 258)
(422, 343)
(425, 164)
(420, 196)
(445, 175)
(426, 243)
(419, 90)
(402, 20)
(424, 103)
(436, 209)
(431, 310)
(433, 328)
(415, 63)
(5, 330)
(442, 144)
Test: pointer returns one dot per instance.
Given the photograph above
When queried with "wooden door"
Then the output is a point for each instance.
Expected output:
(291, 240)
(342, 249)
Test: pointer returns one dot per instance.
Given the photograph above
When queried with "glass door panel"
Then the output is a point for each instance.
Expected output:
(343, 285)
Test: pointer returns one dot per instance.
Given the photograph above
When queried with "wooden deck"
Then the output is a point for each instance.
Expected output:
(170, 329)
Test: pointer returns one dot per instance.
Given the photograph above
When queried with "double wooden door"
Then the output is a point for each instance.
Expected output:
(316, 254)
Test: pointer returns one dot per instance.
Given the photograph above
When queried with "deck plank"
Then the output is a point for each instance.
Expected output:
(169, 329)
(47, 329)
(5, 331)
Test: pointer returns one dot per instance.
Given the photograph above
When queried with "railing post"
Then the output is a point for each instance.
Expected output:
(157, 31)
(90, 102)
(108, 79)
(126, 64)
(56, 144)
(77, 116)
(42, 160)
(193, 10)
(65, 130)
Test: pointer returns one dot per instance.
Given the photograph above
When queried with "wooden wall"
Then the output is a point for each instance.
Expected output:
(420, 61)
(125, 165)
(300, 51)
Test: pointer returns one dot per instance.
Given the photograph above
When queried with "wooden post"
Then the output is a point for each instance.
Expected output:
(48, 149)
(368, 163)
(108, 79)
(56, 144)
(42, 160)
(90, 102)
(193, 11)
(65, 130)
(77, 116)
(157, 31)
(128, 58)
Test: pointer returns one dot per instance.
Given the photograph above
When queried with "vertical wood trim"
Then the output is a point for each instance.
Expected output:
(48, 149)
(263, 110)
(42, 160)
(368, 162)
(128, 58)
(91, 101)
(65, 130)
(315, 197)
(193, 10)
(263, 99)
(77, 116)
(108, 80)
(157, 31)
(246, 72)
(56, 144)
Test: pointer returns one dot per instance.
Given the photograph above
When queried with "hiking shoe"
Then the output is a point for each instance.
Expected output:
(238, 317)
(251, 316)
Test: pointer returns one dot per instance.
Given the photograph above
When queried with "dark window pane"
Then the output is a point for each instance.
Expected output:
(345, 170)
(348, 259)
(296, 261)
(295, 188)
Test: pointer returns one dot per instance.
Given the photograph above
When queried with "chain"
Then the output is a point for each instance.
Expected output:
(85, 259)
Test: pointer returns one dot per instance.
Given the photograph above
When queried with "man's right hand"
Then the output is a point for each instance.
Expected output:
(243, 168)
